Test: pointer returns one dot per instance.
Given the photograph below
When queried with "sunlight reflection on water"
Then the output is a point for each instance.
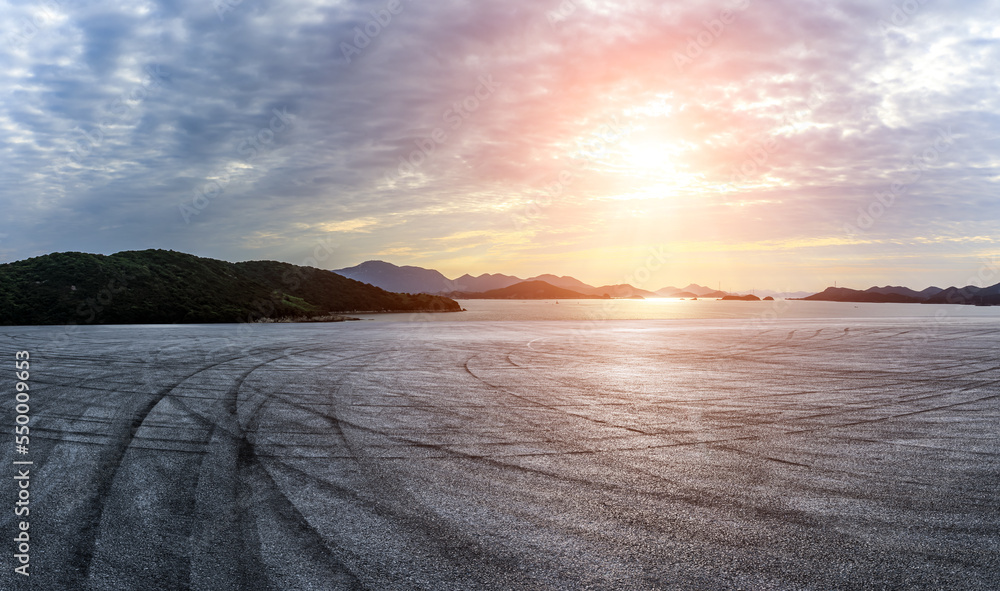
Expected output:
(669, 309)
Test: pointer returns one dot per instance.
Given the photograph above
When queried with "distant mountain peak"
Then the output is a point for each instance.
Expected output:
(412, 279)
(969, 294)
(405, 279)
(565, 282)
(532, 289)
(904, 291)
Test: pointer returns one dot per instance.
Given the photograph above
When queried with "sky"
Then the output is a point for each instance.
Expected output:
(787, 144)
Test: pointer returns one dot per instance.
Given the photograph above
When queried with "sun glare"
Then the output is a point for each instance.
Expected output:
(651, 158)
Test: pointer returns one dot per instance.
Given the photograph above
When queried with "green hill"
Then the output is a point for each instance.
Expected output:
(160, 286)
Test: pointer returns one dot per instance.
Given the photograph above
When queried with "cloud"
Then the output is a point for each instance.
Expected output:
(459, 118)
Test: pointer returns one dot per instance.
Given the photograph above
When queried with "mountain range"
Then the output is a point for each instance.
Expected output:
(844, 294)
(409, 279)
(420, 280)
(778, 294)
(968, 295)
(691, 291)
(159, 286)
(526, 290)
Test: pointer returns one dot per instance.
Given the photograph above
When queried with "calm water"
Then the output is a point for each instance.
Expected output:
(669, 309)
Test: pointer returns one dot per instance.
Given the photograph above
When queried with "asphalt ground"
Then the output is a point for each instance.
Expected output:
(801, 454)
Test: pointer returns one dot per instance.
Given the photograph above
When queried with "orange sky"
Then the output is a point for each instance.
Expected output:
(781, 145)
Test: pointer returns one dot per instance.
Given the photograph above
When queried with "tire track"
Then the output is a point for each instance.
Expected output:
(229, 542)
(123, 429)
(388, 499)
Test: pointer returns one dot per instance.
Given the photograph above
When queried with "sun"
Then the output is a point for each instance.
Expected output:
(650, 157)
(651, 165)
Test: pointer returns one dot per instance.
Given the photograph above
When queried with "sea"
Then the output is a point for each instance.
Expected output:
(679, 309)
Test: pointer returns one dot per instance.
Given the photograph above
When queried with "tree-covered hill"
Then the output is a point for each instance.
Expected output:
(160, 286)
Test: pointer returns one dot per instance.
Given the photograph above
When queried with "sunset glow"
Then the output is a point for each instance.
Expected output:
(751, 140)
